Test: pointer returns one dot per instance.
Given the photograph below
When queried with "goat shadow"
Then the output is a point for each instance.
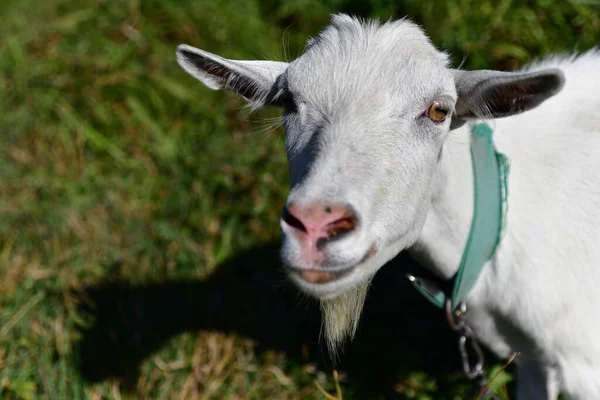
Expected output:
(400, 332)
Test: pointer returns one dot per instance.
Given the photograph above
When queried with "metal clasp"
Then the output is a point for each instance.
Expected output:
(466, 341)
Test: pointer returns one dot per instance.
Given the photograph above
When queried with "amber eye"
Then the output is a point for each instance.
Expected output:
(437, 112)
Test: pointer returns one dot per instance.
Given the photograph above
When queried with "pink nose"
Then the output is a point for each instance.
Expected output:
(318, 223)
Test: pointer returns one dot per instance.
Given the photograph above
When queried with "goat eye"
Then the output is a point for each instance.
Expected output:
(288, 103)
(437, 112)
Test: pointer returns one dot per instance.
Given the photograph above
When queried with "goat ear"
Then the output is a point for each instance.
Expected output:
(253, 80)
(495, 94)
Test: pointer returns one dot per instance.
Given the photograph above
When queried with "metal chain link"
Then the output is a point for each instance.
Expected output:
(468, 344)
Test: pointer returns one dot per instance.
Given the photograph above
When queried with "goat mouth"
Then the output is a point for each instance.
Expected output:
(319, 276)
(322, 276)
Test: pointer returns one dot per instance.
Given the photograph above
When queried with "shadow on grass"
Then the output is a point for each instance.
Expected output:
(400, 331)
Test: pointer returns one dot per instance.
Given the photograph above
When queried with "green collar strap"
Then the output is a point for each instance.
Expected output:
(490, 181)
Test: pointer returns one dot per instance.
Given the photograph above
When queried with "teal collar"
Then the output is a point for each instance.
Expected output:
(490, 181)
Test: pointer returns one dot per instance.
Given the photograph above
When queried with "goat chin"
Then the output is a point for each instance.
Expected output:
(340, 316)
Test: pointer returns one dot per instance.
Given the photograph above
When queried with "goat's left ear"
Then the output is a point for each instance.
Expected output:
(253, 80)
(495, 94)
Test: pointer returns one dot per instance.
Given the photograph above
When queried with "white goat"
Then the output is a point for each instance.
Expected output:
(379, 162)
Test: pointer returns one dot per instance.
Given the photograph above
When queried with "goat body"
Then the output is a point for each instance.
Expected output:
(379, 163)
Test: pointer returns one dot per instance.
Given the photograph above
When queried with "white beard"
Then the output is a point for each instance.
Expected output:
(340, 316)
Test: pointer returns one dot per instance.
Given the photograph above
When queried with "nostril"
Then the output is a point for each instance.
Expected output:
(338, 228)
(291, 220)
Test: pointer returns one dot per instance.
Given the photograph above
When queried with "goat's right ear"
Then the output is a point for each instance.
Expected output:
(253, 80)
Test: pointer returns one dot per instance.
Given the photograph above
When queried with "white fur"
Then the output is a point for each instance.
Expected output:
(539, 295)
(358, 136)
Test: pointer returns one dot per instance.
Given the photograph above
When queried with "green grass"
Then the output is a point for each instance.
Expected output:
(139, 210)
